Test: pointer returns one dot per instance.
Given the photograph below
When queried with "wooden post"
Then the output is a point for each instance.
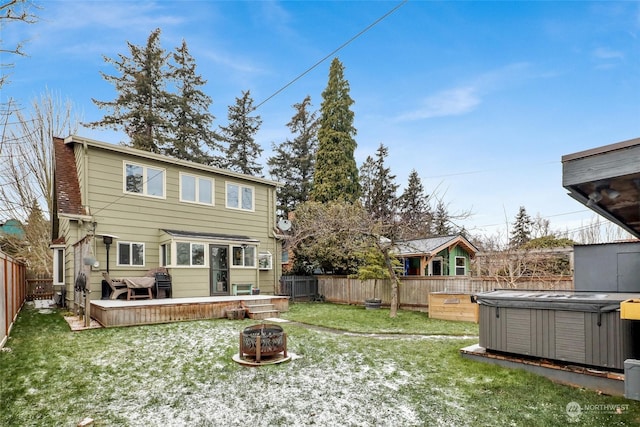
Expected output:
(258, 342)
(87, 304)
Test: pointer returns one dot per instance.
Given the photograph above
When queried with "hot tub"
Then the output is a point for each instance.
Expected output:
(577, 327)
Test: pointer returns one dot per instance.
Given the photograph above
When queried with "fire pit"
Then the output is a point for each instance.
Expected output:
(263, 341)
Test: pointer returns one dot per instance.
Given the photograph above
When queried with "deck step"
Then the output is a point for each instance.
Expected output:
(261, 311)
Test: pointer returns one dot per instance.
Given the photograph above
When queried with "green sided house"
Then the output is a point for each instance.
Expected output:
(436, 256)
(128, 212)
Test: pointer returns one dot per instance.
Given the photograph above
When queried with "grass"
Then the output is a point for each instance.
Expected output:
(182, 374)
(357, 319)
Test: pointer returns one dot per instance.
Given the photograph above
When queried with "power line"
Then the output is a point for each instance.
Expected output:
(376, 22)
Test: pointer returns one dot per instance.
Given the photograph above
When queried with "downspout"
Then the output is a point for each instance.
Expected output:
(272, 235)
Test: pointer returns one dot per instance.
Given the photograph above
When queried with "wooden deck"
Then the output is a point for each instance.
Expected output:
(110, 313)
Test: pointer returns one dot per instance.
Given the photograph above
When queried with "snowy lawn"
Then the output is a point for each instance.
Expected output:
(182, 374)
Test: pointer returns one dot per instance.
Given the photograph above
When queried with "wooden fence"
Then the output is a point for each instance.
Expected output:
(413, 292)
(13, 287)
(39, 288)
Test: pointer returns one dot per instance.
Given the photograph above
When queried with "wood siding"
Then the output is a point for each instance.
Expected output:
(129, 313)
(452, 306)
(139, 219)
(568, 336)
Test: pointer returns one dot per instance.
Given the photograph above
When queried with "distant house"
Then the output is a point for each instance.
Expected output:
(126, 212)
(436, 256)
(13, 228)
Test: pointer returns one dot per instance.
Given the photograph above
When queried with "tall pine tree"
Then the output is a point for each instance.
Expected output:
(241, 149)
(521, 232)
(140, 108)
(336, 173)
(190, 117)
(383, 189)
(293, 161)
(366, 177)
(442, 220)
(414, 210)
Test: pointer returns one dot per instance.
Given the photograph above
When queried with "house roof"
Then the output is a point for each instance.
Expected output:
(166, 159)
(67, 188)
(433, 245)
(209, 236)
(607, 180)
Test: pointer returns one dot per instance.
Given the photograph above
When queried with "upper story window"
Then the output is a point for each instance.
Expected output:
(240, 197)
(244, 256)
(189, 253)
(144, 180)
(130, 253)
(461, 266)
(196, 189)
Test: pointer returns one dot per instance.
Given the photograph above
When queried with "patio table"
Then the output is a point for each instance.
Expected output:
(134, 283)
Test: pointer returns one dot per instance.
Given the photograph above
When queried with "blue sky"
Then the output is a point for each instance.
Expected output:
(480, 98)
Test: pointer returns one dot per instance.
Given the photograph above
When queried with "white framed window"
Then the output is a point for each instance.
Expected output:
(58, 266)
(196, 189)
(130, 253)
(144, 180)
(240, 197)
(243, 256)
(265, 261)
(461, 266)
(285, 256)
(189, 254)
(165, 255)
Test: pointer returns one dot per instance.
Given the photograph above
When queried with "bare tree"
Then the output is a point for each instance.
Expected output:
(599, 231)
(13, 11)
(348, 228)
(25, 171)
(25, 176)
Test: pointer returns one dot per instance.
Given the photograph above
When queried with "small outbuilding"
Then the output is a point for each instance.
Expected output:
(436, 256)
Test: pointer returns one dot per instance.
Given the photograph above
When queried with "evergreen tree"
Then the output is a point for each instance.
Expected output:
(366, 178)
(294, 160)
(521, 232)
(383, 189)
(414, 210)
(442, 220)
(140, 108)
(241, 149)
(190, 118)
(336, 173)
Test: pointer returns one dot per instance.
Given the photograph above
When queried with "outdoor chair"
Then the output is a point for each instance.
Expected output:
(163, 282)
(117, 287)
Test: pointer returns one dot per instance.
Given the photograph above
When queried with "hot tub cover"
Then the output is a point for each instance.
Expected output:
(553, 300)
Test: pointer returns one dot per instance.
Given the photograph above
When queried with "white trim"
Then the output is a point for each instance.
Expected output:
(196, 190)
(255, 252)
(240, 188)
(75, 216)
(145, 180)
(456, 266)
(144, 254)
(57, 267)
(174, 249)
(269, 257)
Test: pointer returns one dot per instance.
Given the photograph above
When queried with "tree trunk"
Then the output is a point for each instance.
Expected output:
(393, 312)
